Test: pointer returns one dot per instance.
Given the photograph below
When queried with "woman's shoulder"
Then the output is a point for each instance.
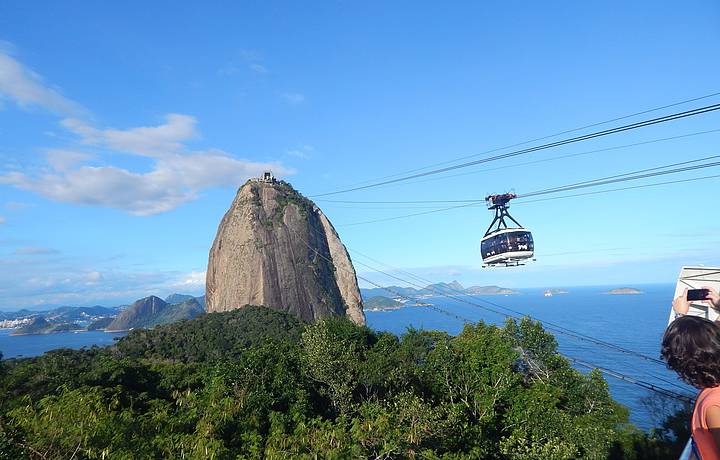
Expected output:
(710, 396)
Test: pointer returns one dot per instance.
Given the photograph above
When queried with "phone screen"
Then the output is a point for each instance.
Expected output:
(697, 294)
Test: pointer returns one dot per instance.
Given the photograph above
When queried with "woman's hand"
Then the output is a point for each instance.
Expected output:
(713, 297)
(681, 304)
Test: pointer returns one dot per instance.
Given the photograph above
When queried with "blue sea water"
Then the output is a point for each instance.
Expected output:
(16, 346)
(634, 322)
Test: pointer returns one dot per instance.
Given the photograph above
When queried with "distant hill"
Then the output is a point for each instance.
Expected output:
(16, 314)
(624, 291)
(201, 301)
(79, 313)
(391, 291)
(452, 288)
(100, 324)
(379, 302)
(489, 290)
(178, 298)
(153, 311)
(214, 336)
(40, 325)
(443, 288)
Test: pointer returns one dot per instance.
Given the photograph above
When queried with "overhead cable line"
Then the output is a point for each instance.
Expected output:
(514, 314)
(656, 184)
(544, 160)
(572, 140)
(634, 381)
(511, 313)
(649, 386)
(631, 176)
(634, 175)
(549, 136)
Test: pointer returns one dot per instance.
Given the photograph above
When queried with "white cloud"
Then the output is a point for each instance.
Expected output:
(250, 55)
(151, 141)
(27, 89)
(31, 251)
(258, 68)
(16, 205)
(293, 98)
(177, 176)
(193, 280)
(2, 220)
(64, 160)
(93, 277)
(302, 152)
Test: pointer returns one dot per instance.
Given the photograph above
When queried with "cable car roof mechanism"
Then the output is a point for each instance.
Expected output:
(502, 244)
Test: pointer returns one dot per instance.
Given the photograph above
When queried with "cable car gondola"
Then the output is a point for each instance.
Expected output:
(503, 245)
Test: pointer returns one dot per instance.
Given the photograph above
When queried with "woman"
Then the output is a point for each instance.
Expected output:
(691, 347)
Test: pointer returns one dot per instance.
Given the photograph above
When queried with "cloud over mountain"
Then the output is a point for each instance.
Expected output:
(79, 172)
(177, 175)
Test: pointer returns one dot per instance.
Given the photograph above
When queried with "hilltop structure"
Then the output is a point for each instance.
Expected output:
(276, 248)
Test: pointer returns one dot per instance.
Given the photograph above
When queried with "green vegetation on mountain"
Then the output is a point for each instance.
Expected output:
(379, 301)
(153, 311)
(213, 337)
(100, 324)
(40, 325)
(489, 290)
(257, 383)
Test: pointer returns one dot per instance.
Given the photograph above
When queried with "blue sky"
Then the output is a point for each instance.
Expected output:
(126, 128)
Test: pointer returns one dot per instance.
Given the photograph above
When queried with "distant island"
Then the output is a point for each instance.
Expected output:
(381, 303)
(489, 290)
(624, 291)
(552, 292)
(432, 290)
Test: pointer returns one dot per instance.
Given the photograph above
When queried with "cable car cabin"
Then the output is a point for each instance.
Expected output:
(503, 245)
(509, 246)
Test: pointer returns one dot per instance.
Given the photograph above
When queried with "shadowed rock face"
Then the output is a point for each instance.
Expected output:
(276, 248)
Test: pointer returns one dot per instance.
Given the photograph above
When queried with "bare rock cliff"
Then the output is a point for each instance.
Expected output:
(274, 247)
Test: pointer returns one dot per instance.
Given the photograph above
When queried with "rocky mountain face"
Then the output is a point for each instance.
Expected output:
(275, 248)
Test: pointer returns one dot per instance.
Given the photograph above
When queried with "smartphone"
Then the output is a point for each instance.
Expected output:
(697, 294)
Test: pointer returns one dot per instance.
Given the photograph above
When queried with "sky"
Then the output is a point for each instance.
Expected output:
(126, 129)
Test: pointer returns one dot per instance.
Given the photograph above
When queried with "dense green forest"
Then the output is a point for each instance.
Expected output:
(255, 383)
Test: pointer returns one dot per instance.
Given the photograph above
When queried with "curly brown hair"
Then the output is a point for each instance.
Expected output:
(691, 347)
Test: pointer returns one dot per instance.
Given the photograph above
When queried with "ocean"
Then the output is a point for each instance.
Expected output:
(634, 322)
(16, 346)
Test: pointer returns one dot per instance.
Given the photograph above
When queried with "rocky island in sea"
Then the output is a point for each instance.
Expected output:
(624, 291)
(381, 303)
(552, 292)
